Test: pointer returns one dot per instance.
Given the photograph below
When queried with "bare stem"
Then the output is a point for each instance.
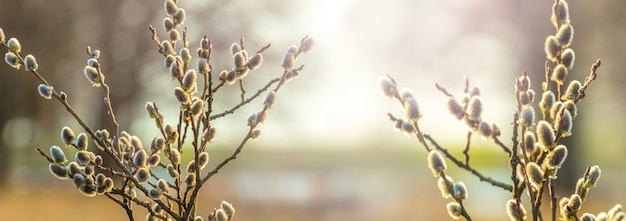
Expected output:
(480, 176)
(243, 102)
(467, 147)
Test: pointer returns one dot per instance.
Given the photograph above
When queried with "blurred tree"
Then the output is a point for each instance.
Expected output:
(19, 97)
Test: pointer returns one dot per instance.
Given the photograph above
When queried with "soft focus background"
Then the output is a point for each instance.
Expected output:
(328, 151)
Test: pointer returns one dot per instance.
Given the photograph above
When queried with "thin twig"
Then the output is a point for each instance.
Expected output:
(233, 109)
(467, 147)
(480, 176)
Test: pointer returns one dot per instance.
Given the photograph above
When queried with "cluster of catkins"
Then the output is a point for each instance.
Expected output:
(447, 186)
(139, 167)
(541, 153)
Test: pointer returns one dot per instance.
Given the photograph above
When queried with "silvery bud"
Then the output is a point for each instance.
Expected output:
(515, 210)
(255, 134)
(554, 110)
(262, 116)
(176, 70)
(197, 105)
(170, 7)
(571, 93)
(602, 216)
(189, 81)
(547, 99)
(234, 48)
(14, 45)
(151, 109)
(12, 60)
(93, 76)
(560, 13)
(168, 24)
(175, 156)
(181, 95)
(445, 185)
(179, 17)
(154, 159)
(157, 144)
(565, 35)
(203, 160)
(31, 63)
(288, 61)
(559, 74)
(79, 180)
(564, 123)
(527, 117)
(552, 47)
(163, 185)
(255, 61)
(81, 141)
(209, 134)
(45, 91)
(408, 129)
(459, 191)
(387, 87)
(155, 193)
(613, 212)
(475, 108)
(230, 77)
(529, 143)
(171, 170)
(535, 175)
(74, 168)
(587, 217)
(455, 108)
(203, 66)
(142, 175)
(557, 157)
(567, 58)
(82, 157)
(484, 129)
(58, 171)
(594, 176)
(191, 167)
(575, 202)
(270, 99)
(252, 120)
(67, 135)
(57, 155)
(185, 55)
(229, 210)
(190, 179)
(140, 159)
(168, 48)
(454, 210)
(545, 134)
(174, 36)
(220, 215)
(307, 44)
(411, 109)
(436, 163)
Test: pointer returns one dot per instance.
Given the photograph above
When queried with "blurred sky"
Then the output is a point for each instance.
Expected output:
(335, 104)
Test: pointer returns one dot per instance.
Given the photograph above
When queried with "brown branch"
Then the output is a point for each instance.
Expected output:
(480, 176)
(592, 76)
(156, 40)
(467, 147)
(443, 90)
(502, 145)
(42, 153)
(233, 109)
